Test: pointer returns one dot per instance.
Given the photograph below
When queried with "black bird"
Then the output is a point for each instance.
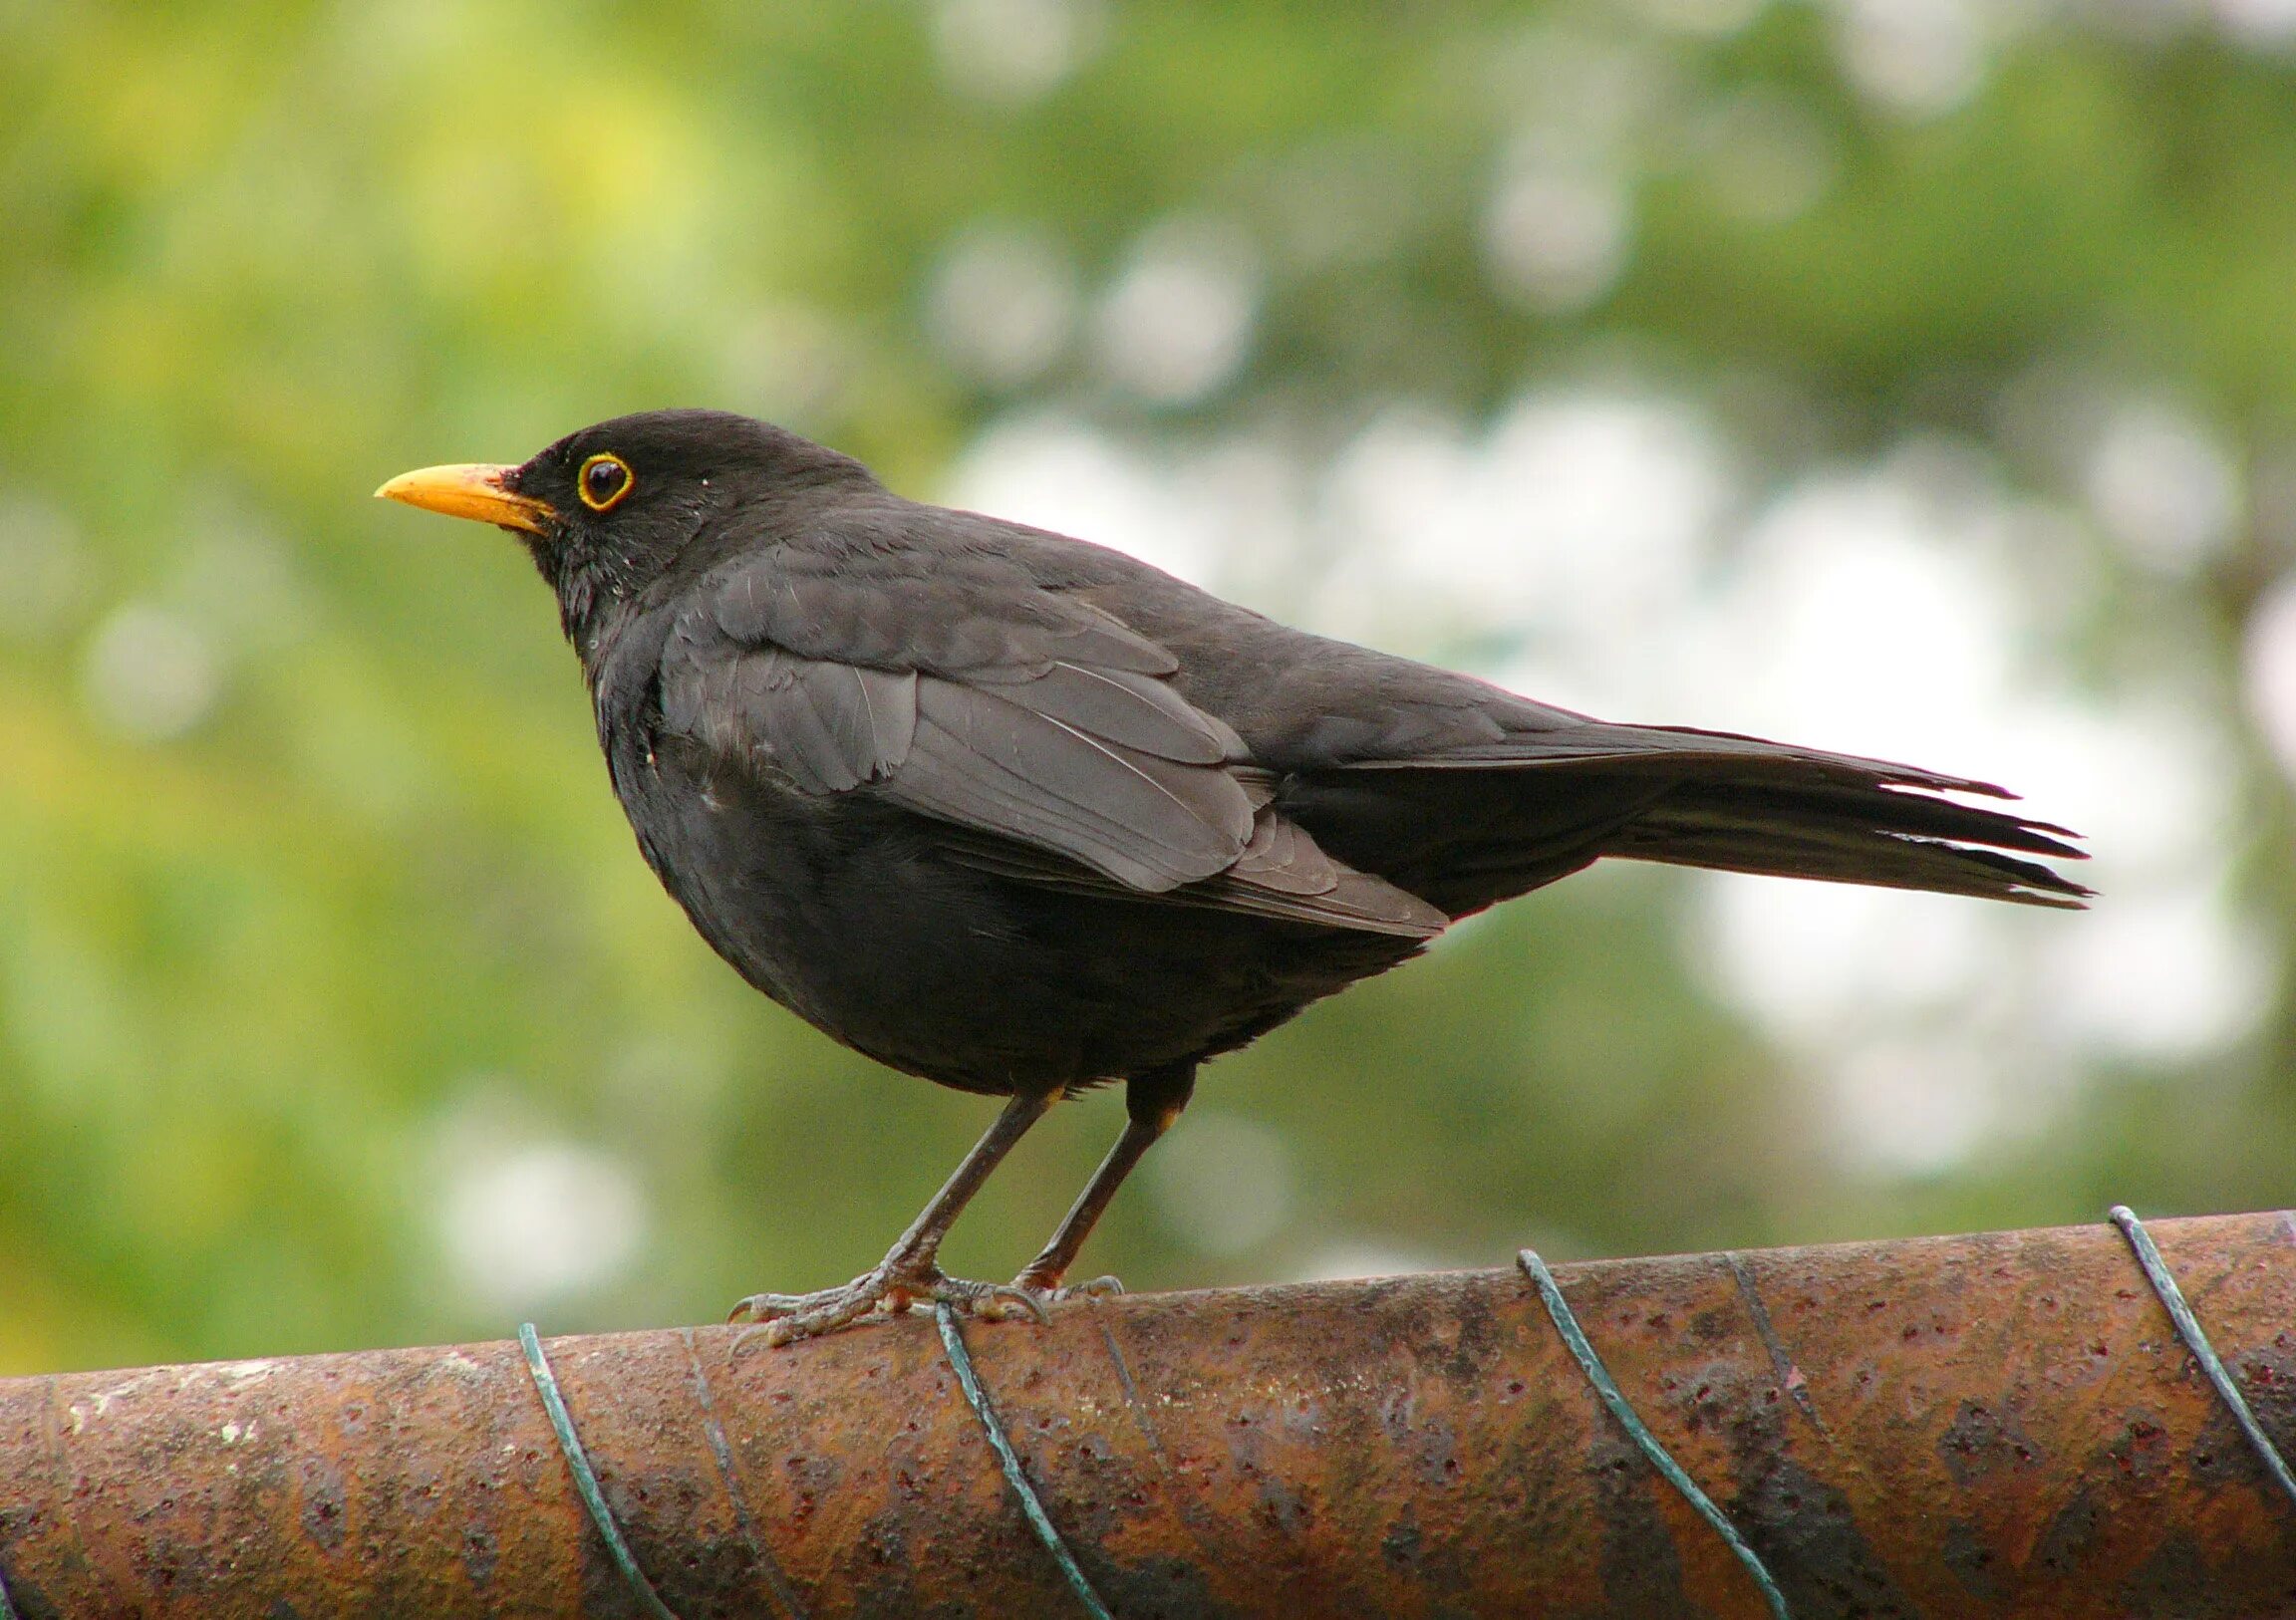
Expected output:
(1021, 815)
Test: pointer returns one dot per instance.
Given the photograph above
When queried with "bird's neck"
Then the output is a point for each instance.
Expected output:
(595, 594)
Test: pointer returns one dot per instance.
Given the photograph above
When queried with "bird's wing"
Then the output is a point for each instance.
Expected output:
(953, 685)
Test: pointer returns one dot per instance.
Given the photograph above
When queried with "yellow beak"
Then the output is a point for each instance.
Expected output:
(472, 490)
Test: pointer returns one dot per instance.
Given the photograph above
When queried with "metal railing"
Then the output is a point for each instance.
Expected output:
(1997, 1425)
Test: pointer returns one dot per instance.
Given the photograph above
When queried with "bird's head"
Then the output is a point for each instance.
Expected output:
(610, 509)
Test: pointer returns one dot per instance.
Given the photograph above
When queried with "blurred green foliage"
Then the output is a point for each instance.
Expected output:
(287, 973)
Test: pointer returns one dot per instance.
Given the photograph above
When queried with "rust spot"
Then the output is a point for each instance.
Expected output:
(1980, 1440)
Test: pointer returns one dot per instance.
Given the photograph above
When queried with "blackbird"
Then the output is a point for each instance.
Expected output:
(1022, 815)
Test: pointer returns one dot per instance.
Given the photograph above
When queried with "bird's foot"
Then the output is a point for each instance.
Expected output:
(886, 1291)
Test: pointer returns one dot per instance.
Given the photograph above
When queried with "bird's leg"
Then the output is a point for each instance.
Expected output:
(909, 1271)
(1152, 1101)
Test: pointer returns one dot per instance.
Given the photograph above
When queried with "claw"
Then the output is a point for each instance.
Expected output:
(765, 1307)
(1001, 1301)
(1052, 1292)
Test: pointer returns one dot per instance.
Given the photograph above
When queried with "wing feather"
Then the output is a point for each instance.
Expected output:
(1122, 705)
(986, 760)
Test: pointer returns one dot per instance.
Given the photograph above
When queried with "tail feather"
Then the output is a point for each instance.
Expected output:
(1888, 808)
(1885, 840)
(1598, 744)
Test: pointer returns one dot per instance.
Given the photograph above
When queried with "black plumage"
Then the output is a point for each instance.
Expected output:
(1021, 814)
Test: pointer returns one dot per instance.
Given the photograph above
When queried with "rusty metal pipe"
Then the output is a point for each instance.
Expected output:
(1999, 1425)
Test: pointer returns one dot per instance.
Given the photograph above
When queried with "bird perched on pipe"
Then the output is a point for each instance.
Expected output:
(1024, 815)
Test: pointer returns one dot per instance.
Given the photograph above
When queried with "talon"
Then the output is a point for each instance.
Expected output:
(1000, 1302)
(767, 1307)
(1052, 1292)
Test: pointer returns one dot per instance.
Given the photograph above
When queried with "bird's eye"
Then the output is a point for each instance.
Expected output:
(605, 480)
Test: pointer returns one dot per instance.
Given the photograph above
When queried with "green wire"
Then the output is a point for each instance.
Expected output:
(1598, 1375)
(586, 1477)
(2188, 1327)
(960, 1361)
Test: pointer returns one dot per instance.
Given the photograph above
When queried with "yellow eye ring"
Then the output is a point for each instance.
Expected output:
(603, 482)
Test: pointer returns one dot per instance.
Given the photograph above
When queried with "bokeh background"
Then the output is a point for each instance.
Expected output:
(1910, 377)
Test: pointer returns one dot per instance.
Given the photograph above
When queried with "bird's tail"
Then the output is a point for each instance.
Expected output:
(1871, 832)
(1476, 825)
